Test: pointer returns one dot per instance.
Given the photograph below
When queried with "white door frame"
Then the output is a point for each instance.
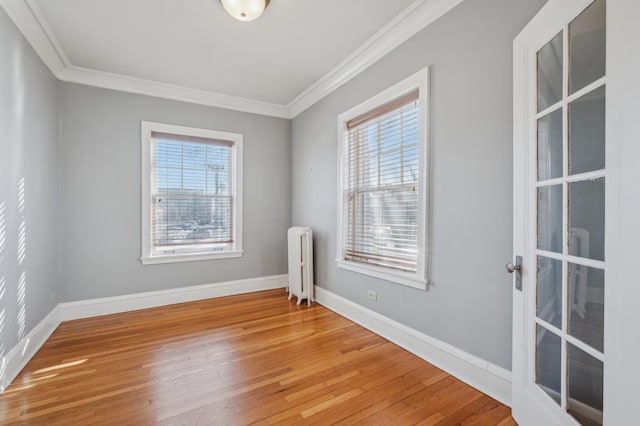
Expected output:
(622, 244)
(528, 400)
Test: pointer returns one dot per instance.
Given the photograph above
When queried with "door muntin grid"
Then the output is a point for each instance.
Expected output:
(569, 184)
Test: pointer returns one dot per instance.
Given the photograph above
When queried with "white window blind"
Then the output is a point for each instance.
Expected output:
(381, 201)
(192, 193)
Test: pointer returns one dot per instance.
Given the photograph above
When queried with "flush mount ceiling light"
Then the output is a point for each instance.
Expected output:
(245, 10)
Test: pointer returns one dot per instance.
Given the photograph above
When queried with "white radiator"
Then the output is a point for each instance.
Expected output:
(300, 263)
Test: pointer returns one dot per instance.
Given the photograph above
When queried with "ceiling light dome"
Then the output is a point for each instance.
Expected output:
(245, 10)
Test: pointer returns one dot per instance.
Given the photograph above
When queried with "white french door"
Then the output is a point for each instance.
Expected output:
(559, 215)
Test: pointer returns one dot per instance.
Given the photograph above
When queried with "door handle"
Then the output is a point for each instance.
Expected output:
(511, 268)
(517, 268)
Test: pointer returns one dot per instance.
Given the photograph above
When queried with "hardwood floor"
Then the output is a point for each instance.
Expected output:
(248, 359)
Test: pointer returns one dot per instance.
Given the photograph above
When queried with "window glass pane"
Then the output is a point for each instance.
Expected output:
(185, 220)
(586, 219)
(381, 197)
(550, 73)
(194, 181)
(586, 305)
(391, 169)
(549, 291)
(587, 132)
(385, 229)
(411, 164)
(587, 46)
(550, 218)
(168, 153)
(548, 362)
(585, 386)
(218, 168)
(168, 180)
(550, 146)
(193, 156)
(191, 192)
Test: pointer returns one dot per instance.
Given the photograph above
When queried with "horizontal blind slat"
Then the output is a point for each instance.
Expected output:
(192, 191)
(380, 198)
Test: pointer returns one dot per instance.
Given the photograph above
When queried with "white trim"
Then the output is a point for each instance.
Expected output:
(189, 257)
(529, 405)
(36, 35)
(420, 81)
(148, 257)
(33, 25)
(123, 83)
(412, 20)
(18, 357)
(489, 378)
(409, 280)
(48, 31)
(152, 299)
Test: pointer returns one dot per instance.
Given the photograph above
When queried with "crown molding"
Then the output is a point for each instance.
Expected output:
(31, 22)
(22, 14)
(32, 5)
(157, 89)
(415, 18)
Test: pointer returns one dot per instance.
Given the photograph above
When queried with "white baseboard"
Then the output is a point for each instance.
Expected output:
(489, 378)
(20, 354)
(152, 299)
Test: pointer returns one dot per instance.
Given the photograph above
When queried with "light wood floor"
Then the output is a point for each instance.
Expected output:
(249, 359)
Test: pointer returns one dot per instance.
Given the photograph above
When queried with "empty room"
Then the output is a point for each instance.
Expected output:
(235, 212)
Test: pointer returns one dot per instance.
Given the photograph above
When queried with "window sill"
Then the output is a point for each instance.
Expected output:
(188, 257)
(409, 280)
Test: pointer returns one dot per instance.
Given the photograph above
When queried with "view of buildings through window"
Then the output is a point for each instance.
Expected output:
(192, 192)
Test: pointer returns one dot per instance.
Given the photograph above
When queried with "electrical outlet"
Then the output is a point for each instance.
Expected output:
(52, 296)
(373, 296)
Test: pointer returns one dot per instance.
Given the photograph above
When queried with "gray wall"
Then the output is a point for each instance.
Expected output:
(286, 165)
(101, 194)
(468, 303)
(28, 160)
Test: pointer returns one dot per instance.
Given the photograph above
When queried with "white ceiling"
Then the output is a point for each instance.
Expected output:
(194, 43)
(191, 50)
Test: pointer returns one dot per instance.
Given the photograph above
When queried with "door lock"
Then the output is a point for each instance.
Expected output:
(517, 268)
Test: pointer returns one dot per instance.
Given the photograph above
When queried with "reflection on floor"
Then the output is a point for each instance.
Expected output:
(250, 359)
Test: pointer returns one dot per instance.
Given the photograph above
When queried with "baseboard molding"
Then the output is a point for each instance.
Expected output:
(20, 354)
(484, 376)
(152, 299)
(489, 378)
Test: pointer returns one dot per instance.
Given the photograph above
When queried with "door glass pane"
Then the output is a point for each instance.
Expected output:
(586, 305)
(548, 357)
(587, 132)
(587, 46)
(550, 146)
(549, 291)
(550, 73)
(585, 386)
(586, 219)
(550, 218)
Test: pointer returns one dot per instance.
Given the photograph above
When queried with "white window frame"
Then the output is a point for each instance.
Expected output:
(148, 257)
(419, 81)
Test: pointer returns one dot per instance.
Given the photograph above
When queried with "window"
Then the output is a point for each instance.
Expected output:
(383, 184)
(191, 194)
